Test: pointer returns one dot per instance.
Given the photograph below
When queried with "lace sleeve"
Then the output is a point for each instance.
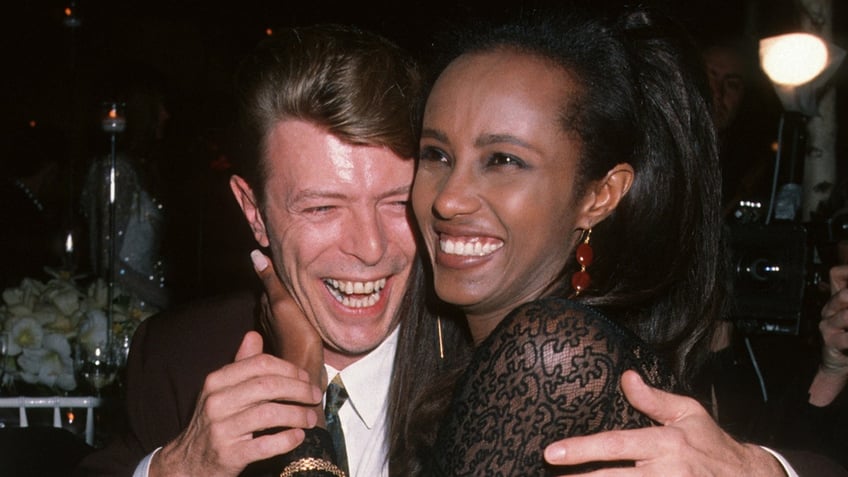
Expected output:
(550, 370)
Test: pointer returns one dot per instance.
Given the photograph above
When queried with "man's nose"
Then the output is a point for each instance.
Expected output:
(717, 87)
(366, 238)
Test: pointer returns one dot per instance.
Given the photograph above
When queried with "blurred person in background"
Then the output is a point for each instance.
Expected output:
(139, 208)
(743, 124)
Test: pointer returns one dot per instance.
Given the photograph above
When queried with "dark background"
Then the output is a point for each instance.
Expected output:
(58, 75)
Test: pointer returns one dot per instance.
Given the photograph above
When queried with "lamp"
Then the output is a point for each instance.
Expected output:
(799, 66)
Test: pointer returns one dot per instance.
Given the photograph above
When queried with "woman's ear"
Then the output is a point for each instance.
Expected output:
(250, 208)
(604, 195)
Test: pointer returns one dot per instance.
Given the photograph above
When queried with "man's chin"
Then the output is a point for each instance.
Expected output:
(354, 344)
(340, 358)
(360, 345)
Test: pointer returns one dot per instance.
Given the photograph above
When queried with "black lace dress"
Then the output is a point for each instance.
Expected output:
(549, 370)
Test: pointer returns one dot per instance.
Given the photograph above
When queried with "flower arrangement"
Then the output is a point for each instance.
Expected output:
(44, 324)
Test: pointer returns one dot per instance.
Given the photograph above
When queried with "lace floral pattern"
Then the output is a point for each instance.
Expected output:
(550, 370)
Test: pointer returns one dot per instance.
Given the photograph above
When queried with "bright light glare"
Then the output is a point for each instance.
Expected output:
(793, 59)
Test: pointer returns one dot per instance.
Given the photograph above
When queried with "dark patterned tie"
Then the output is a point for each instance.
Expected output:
(336, 396)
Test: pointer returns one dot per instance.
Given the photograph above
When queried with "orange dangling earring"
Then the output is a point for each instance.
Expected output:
(581, 280)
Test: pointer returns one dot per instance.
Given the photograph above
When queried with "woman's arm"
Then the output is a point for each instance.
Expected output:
(295, 340)
(292, 337)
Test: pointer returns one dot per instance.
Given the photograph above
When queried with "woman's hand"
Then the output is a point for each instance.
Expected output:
(292, 335)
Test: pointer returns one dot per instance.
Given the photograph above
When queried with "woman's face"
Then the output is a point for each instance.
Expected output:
(494, 190)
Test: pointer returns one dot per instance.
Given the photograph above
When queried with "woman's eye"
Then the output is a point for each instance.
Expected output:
(505, 160)
(432, 154)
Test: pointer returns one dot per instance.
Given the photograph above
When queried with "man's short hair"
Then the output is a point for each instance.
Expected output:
(361, 87)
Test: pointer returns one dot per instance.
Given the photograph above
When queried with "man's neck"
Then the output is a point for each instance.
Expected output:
(338, 360)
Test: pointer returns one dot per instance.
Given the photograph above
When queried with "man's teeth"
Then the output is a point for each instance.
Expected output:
(343, 291)
(468, 248)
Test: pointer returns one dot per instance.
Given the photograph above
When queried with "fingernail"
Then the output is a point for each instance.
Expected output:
(260, 261)
(554, 453)
(317, 394)
(311, 418)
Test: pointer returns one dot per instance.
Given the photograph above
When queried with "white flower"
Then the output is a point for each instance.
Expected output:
(21, 300)
(13, 296)
(20, 310)
(45, 321)
(65, 298)
(24, 333)
(51, 365)
(92, 330)
(18, 302)
(44, 313)
(31, 289)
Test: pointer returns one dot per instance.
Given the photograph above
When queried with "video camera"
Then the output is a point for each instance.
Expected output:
(772, 265)
(769, 270)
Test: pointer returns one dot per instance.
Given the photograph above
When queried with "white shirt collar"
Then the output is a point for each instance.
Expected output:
(367, 380)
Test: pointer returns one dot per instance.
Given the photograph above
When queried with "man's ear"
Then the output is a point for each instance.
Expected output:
(250, 208)
(604, 195)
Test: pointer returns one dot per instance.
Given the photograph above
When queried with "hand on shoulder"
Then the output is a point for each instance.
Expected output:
(688, 442)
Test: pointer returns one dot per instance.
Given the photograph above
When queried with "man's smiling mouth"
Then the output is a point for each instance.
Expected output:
(355, 294)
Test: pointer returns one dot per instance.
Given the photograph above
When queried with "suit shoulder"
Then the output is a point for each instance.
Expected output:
(215, 323)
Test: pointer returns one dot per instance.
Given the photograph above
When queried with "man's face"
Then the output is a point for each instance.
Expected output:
(726, 72)
(335, 218)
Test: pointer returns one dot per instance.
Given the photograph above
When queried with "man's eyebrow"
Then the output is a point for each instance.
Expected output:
(402, 190)
(308, 194)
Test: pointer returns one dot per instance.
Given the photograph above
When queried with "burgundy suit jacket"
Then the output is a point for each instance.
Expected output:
(171, 355)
